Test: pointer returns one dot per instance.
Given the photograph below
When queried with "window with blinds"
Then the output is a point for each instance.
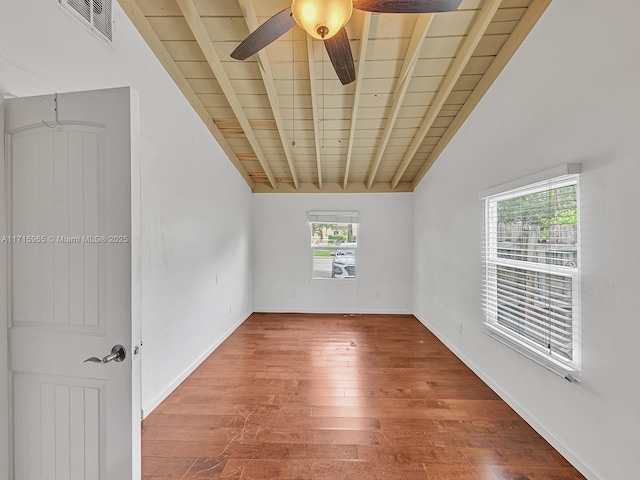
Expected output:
(334, 244)
(532, 270)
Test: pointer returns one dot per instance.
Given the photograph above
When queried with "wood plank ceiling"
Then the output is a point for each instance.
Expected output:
(287, 123)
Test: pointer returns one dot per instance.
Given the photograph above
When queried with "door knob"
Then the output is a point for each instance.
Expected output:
(118, 353)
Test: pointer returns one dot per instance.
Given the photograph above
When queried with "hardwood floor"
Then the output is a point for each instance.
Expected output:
(290, 396)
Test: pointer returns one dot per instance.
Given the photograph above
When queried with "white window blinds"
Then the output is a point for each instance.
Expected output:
(532, 268)
(333, 217)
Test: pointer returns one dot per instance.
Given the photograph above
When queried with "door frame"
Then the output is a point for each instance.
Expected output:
(136, 269)
(6, 453)
(5, 445)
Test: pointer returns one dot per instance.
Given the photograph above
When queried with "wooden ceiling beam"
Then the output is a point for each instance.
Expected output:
(270, 86)
(185, 59)
(192, 17)
(315, 108)
(331, 187)
(480, 25)
(138, 18)
(520, 32)
(362, 58)
(406, 73)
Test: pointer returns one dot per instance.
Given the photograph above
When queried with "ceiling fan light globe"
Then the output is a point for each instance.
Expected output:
(322, 19)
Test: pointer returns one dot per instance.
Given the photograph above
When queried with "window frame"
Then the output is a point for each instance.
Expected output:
(339, 218)
(567, 368)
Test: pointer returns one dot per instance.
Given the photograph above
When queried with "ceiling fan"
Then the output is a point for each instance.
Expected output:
(325, 20)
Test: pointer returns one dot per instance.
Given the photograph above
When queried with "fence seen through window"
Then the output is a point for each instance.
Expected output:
(531, 267)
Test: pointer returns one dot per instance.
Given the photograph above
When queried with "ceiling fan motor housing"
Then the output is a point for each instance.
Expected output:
(322, 19)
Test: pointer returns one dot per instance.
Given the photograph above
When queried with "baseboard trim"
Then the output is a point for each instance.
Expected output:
(146, 410)
(346, 311)
(564, 450)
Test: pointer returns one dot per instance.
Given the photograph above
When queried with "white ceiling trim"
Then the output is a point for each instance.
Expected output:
(199, 31)
(376, 133)
(313, 83)
(478, 29)
(526, 23)
(150, 36)
(269, 85)
(420, 30)
(362, 59)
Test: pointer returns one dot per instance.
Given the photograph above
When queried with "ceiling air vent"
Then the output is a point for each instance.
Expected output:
(94, 13)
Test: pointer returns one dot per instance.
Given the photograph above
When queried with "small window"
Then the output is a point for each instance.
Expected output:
(334, 244)
(96, 14)
(532, 270)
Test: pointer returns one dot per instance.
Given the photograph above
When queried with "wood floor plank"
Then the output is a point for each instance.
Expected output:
(296, 396)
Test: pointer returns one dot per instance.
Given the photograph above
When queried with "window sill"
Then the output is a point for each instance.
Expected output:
(567, 372)
(340, 279)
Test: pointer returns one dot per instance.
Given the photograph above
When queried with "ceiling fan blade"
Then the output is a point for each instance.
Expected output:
(341, 57)
(266, 33)
(406, 6)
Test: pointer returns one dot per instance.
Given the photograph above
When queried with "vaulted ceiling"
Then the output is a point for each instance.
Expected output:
(287, 123)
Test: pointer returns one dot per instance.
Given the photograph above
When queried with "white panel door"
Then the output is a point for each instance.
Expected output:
(73, 205)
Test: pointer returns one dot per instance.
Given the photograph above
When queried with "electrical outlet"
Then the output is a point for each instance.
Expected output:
(460, 329)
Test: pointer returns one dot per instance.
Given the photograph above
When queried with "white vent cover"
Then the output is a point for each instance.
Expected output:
(95, 13)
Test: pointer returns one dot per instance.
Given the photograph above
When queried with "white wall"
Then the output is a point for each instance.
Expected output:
(4, 357)
(196, 209)
(283, 262)
(569, 95)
